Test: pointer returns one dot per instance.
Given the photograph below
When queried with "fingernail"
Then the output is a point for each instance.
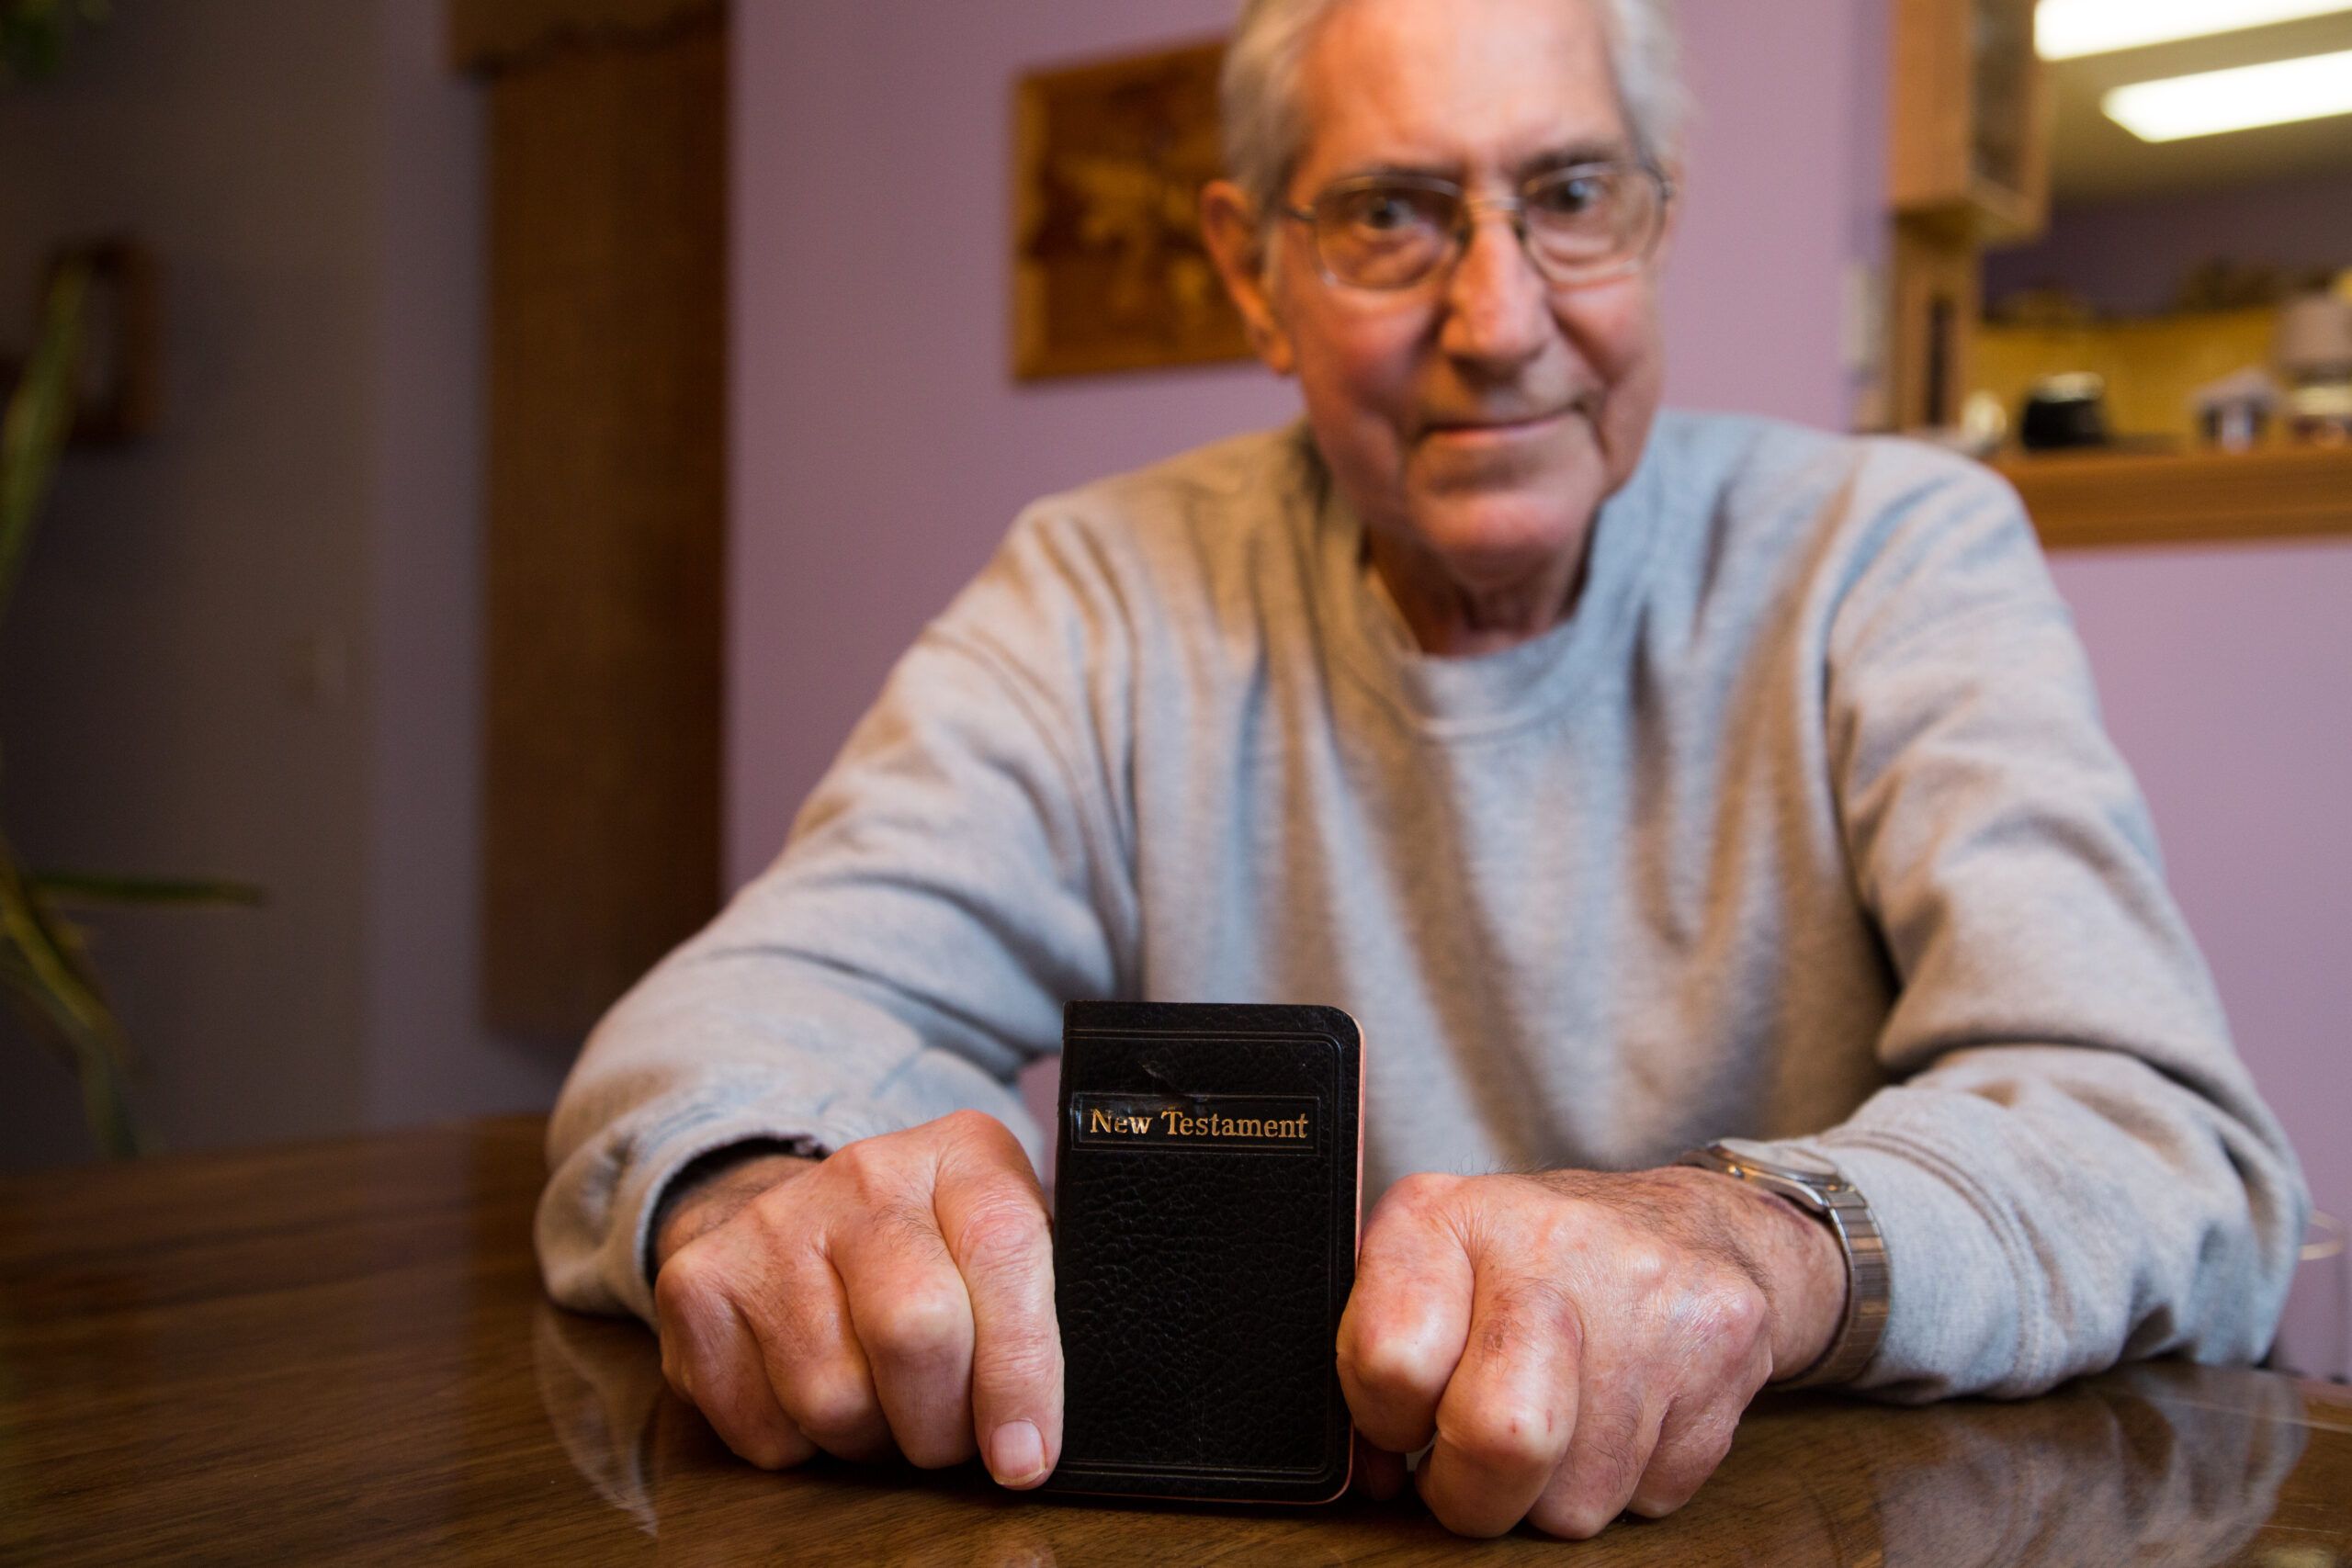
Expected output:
(1017, 1454)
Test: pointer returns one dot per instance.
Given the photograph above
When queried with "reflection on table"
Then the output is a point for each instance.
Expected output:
(2161, 1463)
(341, 1352)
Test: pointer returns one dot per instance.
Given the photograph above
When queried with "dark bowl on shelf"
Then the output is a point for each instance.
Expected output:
(2064, 412)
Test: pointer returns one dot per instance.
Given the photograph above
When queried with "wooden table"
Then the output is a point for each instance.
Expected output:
(340, 1352)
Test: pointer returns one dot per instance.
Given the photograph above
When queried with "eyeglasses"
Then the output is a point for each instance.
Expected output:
(1582, 224)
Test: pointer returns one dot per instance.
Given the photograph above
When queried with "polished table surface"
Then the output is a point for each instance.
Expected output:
(340, 1352)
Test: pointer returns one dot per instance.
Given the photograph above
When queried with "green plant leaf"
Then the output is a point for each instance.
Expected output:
(18, 980)
(32, 34)
(51, 949)
(85, 890)
(43, 965)
(62, 991)
(40, 417)
(42, 1006)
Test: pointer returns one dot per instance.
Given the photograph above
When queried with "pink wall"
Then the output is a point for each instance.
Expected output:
(880, 446)
(1782, 203)
(2226, 677)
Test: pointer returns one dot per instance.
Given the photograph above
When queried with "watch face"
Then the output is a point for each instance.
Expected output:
(1776, 1161)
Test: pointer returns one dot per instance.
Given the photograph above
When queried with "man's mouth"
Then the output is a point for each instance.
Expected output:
(1500, 427)
(1507, 417)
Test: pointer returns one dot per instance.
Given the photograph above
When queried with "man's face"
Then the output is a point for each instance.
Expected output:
(1484, 414)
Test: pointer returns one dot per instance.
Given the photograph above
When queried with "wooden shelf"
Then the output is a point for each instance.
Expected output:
(2091, 499)
(1969, 153)
(1968, 163)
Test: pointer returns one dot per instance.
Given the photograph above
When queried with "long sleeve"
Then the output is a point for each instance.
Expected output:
(1819, 734)
(953, 878)
(2071, 1165)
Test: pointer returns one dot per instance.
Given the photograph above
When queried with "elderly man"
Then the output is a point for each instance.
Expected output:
(1638, 779)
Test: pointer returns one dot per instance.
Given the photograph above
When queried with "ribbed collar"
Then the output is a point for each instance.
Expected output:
(1452, 698)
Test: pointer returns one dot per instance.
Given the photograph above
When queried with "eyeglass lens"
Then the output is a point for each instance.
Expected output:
(1578, 223)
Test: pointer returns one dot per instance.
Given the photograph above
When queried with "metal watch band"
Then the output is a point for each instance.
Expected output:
(1864, 1325)
(1839, 1205)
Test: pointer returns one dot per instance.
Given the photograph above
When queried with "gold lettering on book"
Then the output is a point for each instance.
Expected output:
(1212, 1125)
(1155, 1123)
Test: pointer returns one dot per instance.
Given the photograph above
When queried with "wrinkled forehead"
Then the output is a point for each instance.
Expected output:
(1465, 88)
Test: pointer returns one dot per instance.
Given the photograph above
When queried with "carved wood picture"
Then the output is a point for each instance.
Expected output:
(1109, 269)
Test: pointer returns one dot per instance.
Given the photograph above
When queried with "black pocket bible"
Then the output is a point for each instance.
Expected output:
(1204, 1242)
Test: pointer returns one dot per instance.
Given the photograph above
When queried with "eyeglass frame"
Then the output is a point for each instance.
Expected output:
(1474, 206)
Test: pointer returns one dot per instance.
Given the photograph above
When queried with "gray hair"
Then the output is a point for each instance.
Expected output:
(1260, 88)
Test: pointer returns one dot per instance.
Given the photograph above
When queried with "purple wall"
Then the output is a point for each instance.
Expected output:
(2226, 678)
(2127, 258)
(880, 445)
(1784, 204)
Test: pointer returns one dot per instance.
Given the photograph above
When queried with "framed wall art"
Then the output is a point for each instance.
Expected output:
(1109, 269)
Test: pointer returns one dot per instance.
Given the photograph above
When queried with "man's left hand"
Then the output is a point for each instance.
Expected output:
(1576, 1343)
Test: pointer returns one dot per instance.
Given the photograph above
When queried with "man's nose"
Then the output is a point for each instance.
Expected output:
(1497, 305)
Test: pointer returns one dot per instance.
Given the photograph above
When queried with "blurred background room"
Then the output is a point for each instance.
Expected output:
(511, 439)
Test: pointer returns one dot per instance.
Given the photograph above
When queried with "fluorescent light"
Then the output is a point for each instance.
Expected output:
(2278, 94)
(2064, 29)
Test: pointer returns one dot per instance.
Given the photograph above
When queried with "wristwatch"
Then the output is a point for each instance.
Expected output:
(1818, 1187)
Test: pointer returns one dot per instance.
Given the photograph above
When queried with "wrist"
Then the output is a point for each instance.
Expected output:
(711, 1192)
(1797, 1263)
(1809, 1284)
(1818, 1187)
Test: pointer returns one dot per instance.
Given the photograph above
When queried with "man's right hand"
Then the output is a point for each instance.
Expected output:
(897, 1294)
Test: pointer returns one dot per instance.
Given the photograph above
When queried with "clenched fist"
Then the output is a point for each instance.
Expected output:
(1575, 1344)
(898, 1293)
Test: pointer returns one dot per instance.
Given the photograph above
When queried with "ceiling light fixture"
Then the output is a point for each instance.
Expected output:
(2066, 29)
(2281, 93)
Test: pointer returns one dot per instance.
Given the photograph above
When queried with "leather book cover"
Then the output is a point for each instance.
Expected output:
(1204, 1243)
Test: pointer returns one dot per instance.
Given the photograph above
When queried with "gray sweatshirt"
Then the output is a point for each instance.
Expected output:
(1802, 826)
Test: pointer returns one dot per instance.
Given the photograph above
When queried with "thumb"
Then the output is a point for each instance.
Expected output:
(993, 1221)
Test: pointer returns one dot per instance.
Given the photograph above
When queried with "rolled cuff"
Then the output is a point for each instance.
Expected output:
(1953, 1314)
(595, 1218)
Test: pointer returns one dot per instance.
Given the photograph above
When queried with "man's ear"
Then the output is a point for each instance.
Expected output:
(1673, 219)
(1230, 229)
